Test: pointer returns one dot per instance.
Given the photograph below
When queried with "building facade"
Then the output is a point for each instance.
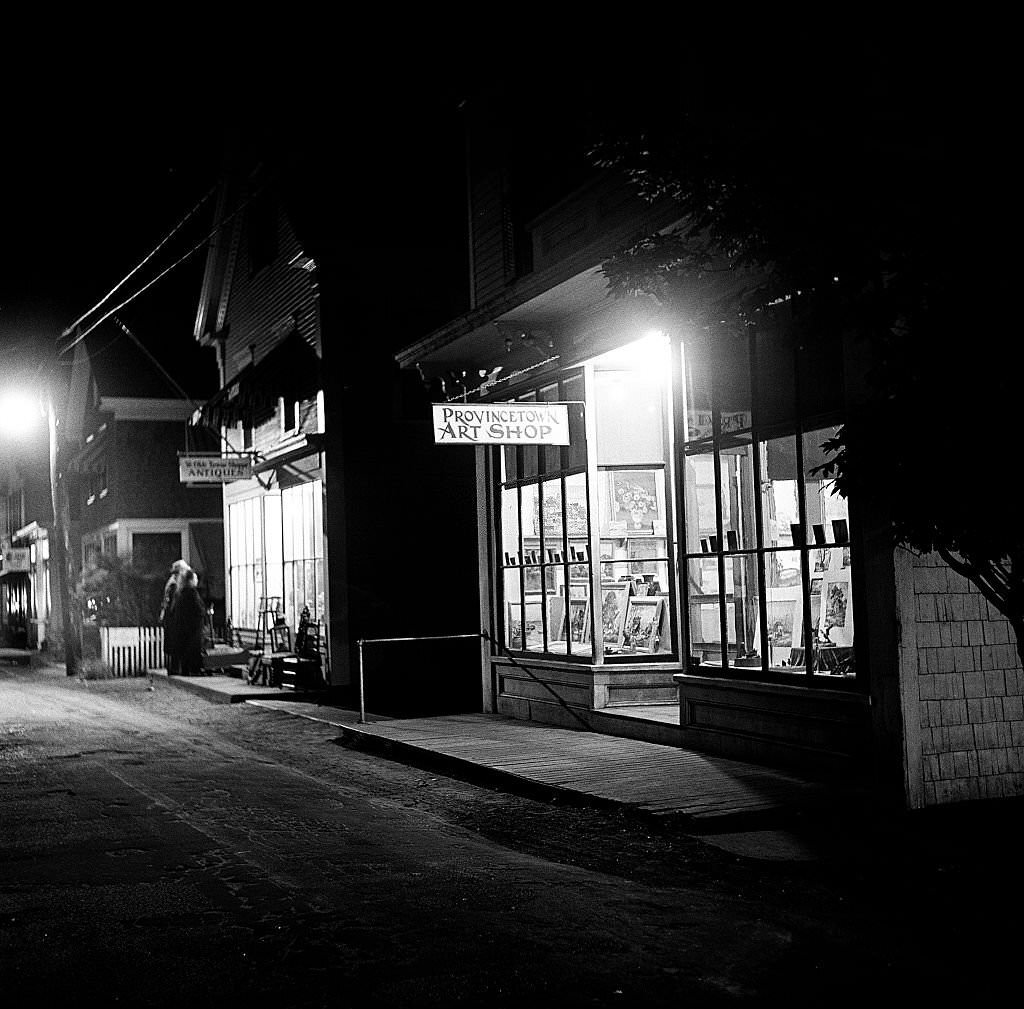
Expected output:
(683, 569)
(125, 426)
(26, 513)
(259, 310)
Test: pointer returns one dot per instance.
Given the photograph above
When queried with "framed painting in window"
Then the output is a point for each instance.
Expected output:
(636, 500)
(556, 618)
(533, 623)
(642, 627)
(614, 601)
(579, 620)
(835, 621)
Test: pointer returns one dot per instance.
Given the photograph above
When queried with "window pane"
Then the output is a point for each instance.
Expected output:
(533, 621)
(738, 490)
(513, 611)
(732, 381)
(318, 518)
(697, 389)
(832, 613)
(776, 386)
(321, 605)
(551, 499)
(572, 392)
(307, 520)
(828, 518)
(580, 616)
(779, 505)
(531, 523)
(705, 617)
(554, 601)
(510, 525)
(272, 530)
(700, 514)
(630, 417)
(576, 510)
(784, 604)
(744, 611)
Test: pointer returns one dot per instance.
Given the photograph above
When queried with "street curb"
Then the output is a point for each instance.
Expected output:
(195, 685)
(507, 781)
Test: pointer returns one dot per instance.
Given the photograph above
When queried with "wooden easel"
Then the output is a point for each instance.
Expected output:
(266, 620)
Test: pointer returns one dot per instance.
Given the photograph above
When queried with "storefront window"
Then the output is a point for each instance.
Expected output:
(545, 535)
(302, 556)
(630, 403)
(550, 507)
(767, 541)
(276, 550)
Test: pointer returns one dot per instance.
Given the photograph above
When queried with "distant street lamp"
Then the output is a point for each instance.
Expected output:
(21, 411)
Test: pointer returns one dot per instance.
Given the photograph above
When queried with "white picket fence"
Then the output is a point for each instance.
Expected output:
(130, 651)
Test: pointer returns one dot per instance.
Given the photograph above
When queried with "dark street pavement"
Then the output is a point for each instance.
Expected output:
(162, 850)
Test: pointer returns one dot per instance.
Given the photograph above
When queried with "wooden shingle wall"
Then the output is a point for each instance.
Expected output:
(962, 687)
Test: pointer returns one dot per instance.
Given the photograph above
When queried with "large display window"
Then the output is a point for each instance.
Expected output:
(276, 548)
(585, 529)
(767, 583)
(545, 536)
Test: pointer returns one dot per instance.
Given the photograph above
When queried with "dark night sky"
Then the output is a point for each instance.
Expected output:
(92, 187)
(98, 165)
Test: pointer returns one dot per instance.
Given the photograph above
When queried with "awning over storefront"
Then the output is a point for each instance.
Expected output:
(291, 371)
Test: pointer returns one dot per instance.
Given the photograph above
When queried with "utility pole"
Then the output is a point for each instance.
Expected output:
(61, 555)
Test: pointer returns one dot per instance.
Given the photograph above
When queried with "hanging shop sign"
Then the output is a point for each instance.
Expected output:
(501, 424)
(17, 559)
(214, 468)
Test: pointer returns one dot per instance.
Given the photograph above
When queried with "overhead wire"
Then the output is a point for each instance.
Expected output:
(80, 335)
(142, 263)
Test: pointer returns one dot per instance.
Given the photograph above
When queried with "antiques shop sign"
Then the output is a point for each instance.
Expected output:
(213, 468)
(501, 424)
(17, 559)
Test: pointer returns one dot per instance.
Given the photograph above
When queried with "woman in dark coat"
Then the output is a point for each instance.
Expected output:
(172, 651)
(188, 614)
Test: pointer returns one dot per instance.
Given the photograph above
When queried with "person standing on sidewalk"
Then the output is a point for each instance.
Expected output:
(188, 615)
(167, 618)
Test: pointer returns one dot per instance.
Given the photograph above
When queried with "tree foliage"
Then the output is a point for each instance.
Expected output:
(876, 202)
(113, 592)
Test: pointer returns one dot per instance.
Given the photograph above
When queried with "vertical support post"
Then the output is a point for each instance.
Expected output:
(362, 699)
(62, 556)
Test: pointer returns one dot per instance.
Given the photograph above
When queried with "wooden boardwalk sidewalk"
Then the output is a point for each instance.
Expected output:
(648, 777)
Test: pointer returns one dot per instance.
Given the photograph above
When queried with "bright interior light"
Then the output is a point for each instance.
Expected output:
(648, 354)
(19, 414)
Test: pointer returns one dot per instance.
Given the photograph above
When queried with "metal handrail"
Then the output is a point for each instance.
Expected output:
(374, 641)
(455, 637)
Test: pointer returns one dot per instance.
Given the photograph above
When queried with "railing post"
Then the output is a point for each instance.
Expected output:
(362, 698)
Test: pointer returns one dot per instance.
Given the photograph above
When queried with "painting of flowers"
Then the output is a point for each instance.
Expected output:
(634, 500)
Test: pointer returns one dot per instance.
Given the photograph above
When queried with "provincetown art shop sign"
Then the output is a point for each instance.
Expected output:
(501, 423)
